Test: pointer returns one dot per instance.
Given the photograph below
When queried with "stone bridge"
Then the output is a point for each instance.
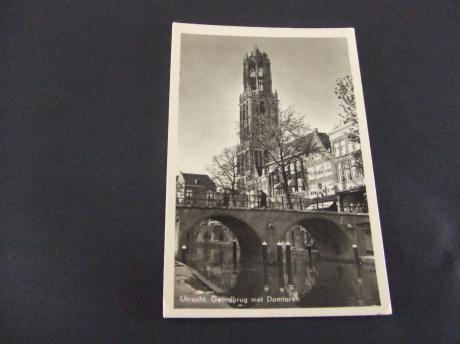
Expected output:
(334, 232)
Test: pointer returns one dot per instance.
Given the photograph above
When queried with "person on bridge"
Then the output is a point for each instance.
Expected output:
(263, 199)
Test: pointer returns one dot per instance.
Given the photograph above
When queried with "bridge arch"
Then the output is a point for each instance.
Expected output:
(330, 238)
(248, 239)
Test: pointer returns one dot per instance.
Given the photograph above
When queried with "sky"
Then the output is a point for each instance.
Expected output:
(304, 72)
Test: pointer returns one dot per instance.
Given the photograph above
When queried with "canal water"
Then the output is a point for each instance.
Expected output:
(309, 283)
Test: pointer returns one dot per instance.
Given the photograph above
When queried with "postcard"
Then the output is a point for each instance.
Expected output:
(271, 206)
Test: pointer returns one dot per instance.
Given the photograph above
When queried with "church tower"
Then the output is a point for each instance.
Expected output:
(257, 101)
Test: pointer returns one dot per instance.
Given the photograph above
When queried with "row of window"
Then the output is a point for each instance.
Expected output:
(254, 82)
(189, 193)
(252, 72)
(347, 170)
(344, 146)
(320, 171)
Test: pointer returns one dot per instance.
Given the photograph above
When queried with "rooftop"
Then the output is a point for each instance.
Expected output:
(323, 137)
(198, 179)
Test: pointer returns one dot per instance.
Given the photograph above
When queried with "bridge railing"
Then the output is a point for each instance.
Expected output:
(328, 203)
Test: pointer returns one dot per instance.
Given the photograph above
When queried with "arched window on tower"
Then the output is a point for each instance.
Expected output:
(260, 71)
(246, 121)
(260, 84)
(241, 122)
(252, 77)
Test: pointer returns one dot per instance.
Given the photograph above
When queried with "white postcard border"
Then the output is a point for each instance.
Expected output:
(168, 284)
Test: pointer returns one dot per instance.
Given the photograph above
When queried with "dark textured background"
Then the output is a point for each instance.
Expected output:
(84, 102)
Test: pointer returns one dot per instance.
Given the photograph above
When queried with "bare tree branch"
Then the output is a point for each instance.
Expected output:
(281, 138)
(224, 170)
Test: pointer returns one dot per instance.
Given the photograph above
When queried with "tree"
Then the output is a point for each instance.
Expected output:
(346, 95)
(224, 171)
(282, 138)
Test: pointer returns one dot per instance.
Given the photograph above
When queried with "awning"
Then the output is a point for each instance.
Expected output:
(358, 189)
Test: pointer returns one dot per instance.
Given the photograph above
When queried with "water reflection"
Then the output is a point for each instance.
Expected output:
(307, 283)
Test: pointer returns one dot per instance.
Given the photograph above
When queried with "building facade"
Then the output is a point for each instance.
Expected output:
(351, 190)
(311, 176)
(195, 189)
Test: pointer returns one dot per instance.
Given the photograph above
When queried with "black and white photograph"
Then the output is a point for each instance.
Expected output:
(271, 206)
(230, 171)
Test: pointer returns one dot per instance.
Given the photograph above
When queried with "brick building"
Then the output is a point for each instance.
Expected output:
(196, 189)
(351, 190)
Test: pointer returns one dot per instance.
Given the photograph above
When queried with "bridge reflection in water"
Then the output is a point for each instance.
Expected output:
(311, 282)
(266, 274)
